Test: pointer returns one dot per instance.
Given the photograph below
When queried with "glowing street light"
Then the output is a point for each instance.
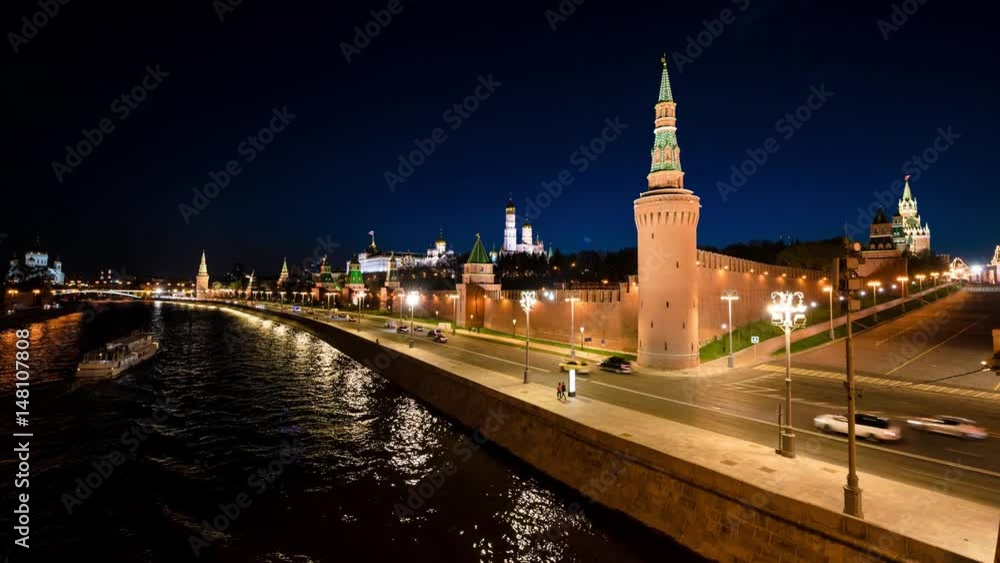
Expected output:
(920, 279)
(361, 300)
(528, 301)
(515, 328)
(787, 311)
(876, 287)
(454, 319)
(730, 295)
(412, 298)
(935, 276)
(903, 281)
(572, 324)
(829, 289)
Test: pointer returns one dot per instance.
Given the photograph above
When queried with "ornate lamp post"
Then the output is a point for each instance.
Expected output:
(935, 276)
(527, 302)
(361, 300)
(730, 295)
(903, 281)
(787, 311)
(920, 280)
(572, 324)
(454, 318)
(412, 298)
(515, 328)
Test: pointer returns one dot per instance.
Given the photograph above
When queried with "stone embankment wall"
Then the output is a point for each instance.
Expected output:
(702, 509)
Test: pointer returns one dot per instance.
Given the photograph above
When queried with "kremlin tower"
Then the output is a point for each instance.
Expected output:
(283, 276)
(201, 280)
(666, 218)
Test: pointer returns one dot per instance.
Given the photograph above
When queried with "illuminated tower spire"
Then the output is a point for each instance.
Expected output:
(666, 220)
(201, 280)
(283, 276)
(665, 170)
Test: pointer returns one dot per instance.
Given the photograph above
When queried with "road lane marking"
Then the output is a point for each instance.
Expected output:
(907, 329)
(931, 349)
(962, 453)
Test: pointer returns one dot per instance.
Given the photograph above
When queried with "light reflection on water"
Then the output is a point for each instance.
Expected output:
(241, 390)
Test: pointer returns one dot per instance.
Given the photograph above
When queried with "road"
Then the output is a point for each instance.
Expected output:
(743, 404)
(944, 339)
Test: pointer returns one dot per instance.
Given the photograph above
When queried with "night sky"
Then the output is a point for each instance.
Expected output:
(323, 175)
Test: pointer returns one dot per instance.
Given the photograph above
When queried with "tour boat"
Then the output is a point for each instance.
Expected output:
(118, 356)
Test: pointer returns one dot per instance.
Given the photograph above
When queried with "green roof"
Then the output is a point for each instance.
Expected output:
(478, 255)
(665, 94)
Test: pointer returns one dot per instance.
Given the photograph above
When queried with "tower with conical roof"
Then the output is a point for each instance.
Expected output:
(283, 276)
(666, 220)
(201, 280)
(478, 283)
(911, 234)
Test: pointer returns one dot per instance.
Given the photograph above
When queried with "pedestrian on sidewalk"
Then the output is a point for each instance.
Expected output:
(559, 391)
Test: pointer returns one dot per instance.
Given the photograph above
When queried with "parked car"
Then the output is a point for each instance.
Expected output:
(949, 426)
(579, 365)
(440, 338)
(402, 329)
(617, 365)
(866, 426)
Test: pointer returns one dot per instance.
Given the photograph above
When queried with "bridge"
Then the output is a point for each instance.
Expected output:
(130, 293)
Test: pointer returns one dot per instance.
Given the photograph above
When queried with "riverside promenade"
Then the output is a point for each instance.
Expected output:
(726, 498)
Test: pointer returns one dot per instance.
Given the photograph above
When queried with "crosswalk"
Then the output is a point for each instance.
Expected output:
(879, 381)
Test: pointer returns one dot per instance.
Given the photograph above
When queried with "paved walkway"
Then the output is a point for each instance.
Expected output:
(960, 526)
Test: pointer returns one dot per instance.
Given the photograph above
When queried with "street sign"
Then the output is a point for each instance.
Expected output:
(754, 340)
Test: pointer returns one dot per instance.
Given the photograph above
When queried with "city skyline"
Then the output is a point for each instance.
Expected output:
(328, 173)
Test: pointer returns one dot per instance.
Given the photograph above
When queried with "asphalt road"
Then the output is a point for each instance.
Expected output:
(744, 403)
(943, 340)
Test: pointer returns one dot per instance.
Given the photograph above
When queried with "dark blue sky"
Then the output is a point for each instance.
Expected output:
(323, 174)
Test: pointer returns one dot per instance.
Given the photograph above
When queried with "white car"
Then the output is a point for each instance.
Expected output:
(866, 426)
(950, 426)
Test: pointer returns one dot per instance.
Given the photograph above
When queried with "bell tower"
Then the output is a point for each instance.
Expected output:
(666, 220)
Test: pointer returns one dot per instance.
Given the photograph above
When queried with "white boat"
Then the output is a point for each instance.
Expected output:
(118, 356)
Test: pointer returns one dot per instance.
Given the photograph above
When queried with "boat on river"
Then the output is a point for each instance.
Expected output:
(118, 356)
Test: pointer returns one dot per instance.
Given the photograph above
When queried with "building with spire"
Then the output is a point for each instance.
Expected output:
(36, 265)
(478, 284)
(283, 276)
(374, 259)
(201, 280)
(666, 219)
(908, 231)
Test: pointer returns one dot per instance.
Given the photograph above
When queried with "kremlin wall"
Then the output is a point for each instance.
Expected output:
(611, 314)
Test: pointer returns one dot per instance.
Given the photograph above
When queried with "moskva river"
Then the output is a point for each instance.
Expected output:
(247, 441)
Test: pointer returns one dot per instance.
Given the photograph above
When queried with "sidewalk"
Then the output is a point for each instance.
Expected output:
(960, 526)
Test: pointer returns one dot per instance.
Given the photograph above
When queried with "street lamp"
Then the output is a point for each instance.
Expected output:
(527, 302)
(581, 338)
(935, 276)
(787, 311)
(903, 281)
(876, 286)
(454, 319)
(829, 289)
(572, 324)
(515, 328)
(361, 300)
(412, 298)
(730, 295)
(920, 280)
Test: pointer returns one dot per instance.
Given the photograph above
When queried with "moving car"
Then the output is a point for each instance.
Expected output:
(866, 426)
(949, 426)
(402, 329)
(418, 328)
(390, 324)
(441, 339)
(351, 319)
(617, 365)
(433, 332)
(579, 365)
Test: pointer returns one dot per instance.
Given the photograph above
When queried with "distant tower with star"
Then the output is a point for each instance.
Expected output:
(283, 276)
(201, 280)
(666, 220)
